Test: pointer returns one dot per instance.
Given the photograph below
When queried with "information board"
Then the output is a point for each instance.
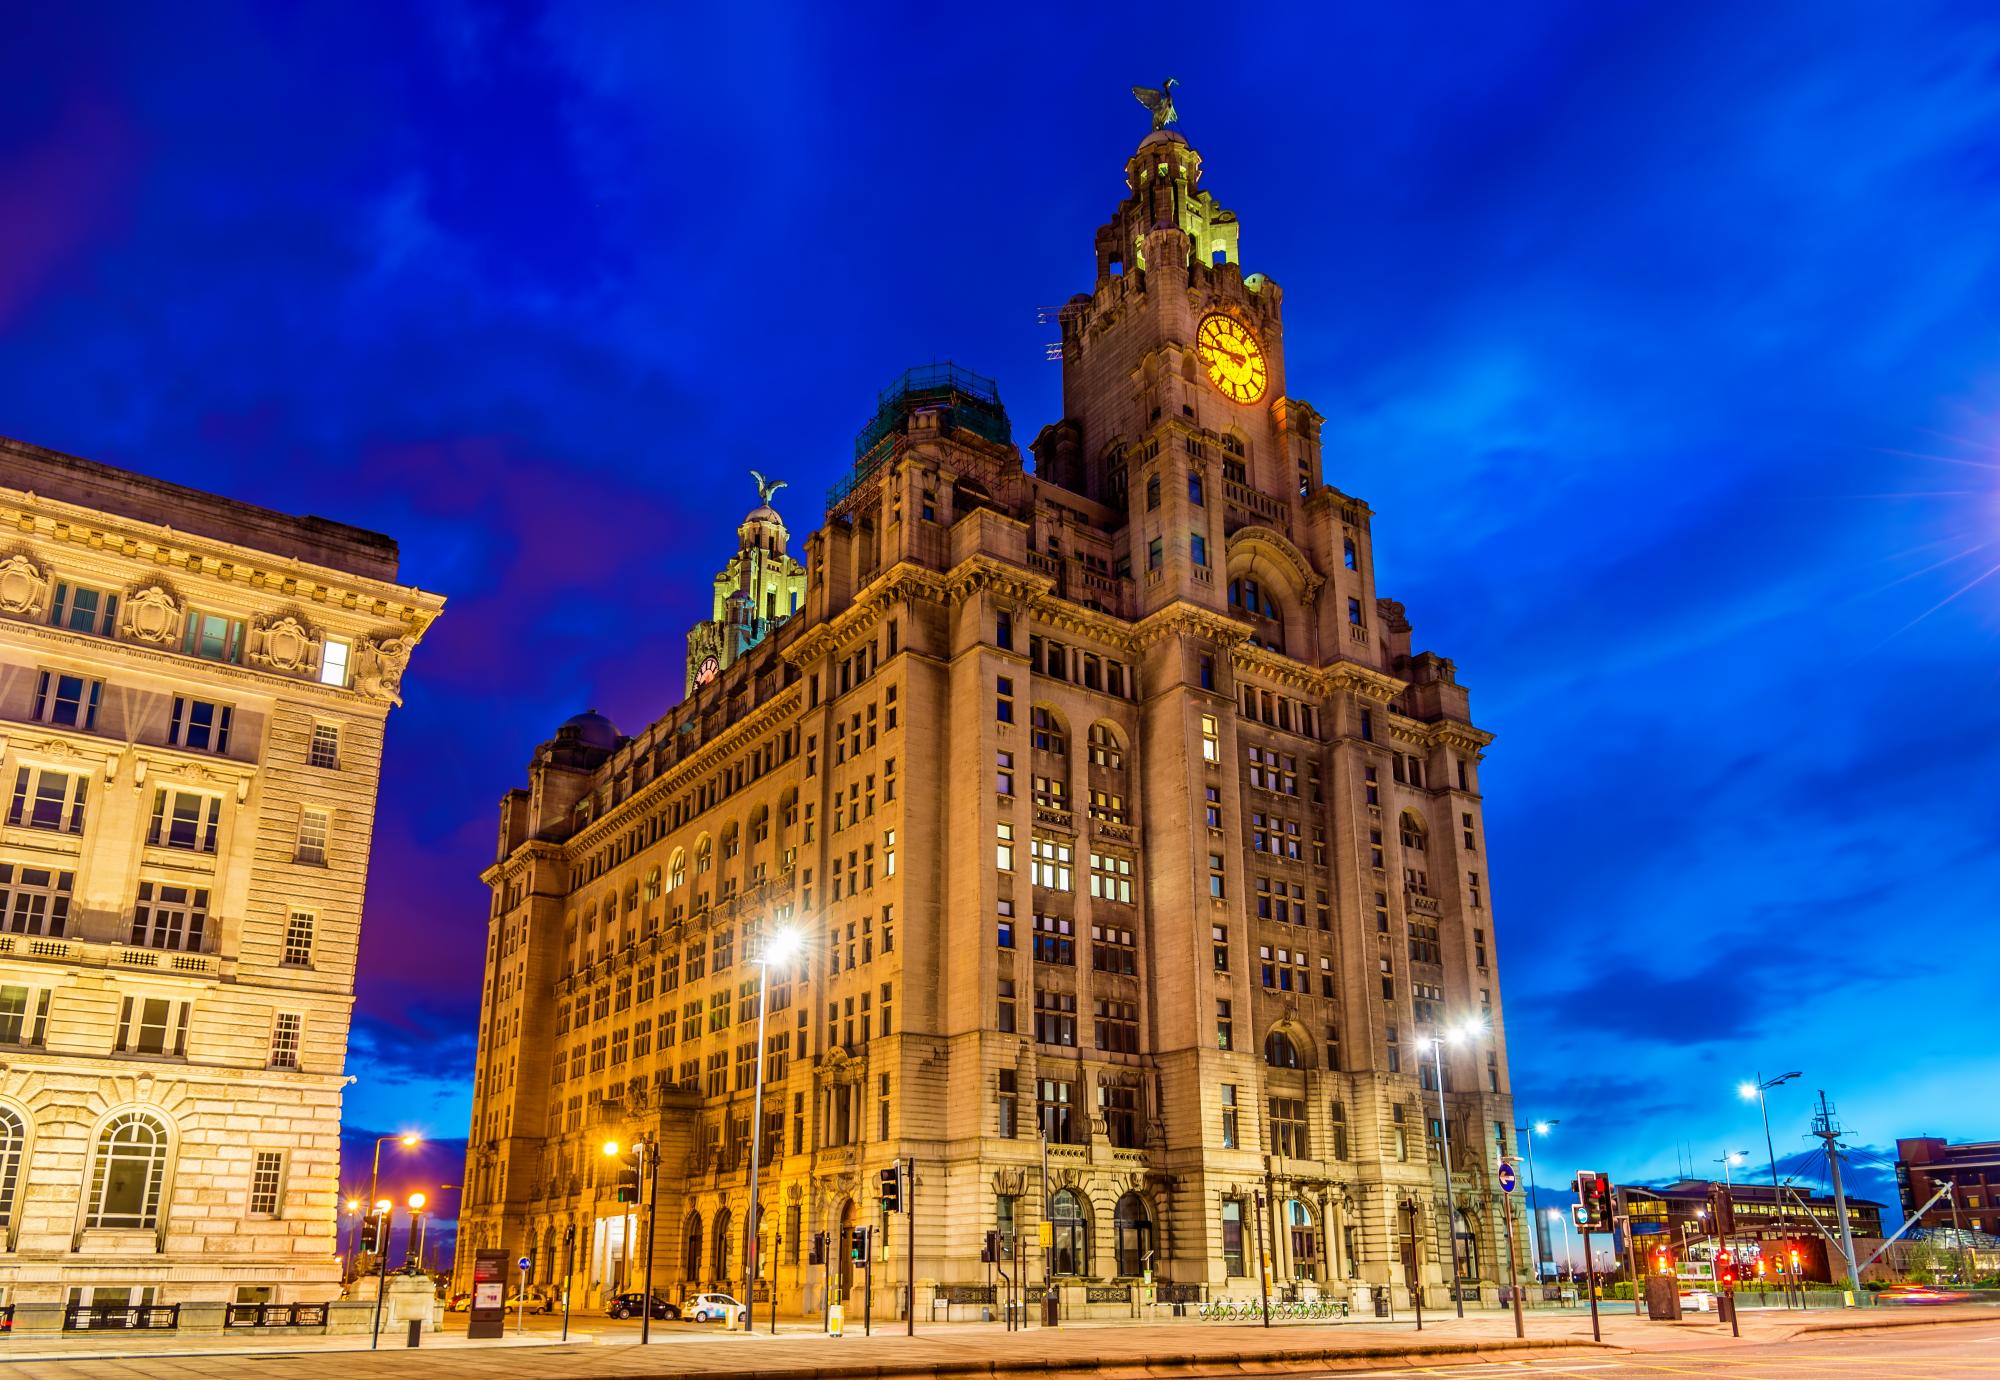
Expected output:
(489, 1296)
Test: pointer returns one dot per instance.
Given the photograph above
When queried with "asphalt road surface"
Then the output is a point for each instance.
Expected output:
(1941, 1353)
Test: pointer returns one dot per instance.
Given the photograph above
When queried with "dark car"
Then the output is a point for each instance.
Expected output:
(629, 1305)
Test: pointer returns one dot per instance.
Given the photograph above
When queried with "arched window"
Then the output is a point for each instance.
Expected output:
(720, 1273)
(704, 855)
(760, 824)
(1413, 831)
(1466, 1241)
(1252, 599)
(691, 1251)
(1280, 1052)
(1049, 734)
(13, 1142)
(1105, 749)
(732, 842)
(1304, 1238)
(127, 1170)
(1069, 1231)
(652, 892)
(1134, 1228)
(677, 869)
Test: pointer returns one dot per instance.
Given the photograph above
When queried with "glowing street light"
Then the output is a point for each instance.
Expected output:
(780, 946)
(1457, 1034)
(1527, 1134)
(406, 1139)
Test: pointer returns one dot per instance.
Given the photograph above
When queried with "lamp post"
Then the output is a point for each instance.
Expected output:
(1527, 1134)
(1757, 1088)
(406, 1139)
(1456, 1034)
(353, 1227)
(413, 1262)
(780, 946)
(454, 1187)
(1569, 1261)
(384, 1220)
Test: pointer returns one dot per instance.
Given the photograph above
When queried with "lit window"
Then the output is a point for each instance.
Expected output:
(266, 1176)
(213, 637)
(333, 662)
(299, 940)
(312, 837)
(82, 609)
(128, 1168)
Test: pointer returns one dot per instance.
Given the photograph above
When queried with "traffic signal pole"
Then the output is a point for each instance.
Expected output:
(1590, 1278)
(910, 1245)
(651, 1150)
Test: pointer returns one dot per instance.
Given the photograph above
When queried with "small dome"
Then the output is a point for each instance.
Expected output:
(739, 596)
(1163, 136)
(764, 512)
(591, 729)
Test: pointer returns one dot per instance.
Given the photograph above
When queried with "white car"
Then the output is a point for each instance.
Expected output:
(713, 1308)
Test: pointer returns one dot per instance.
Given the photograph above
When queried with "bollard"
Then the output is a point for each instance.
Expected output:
(416, 1332)
(833, 1319)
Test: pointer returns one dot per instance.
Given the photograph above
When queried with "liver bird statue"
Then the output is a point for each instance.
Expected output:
(766, 487)
(1160, 102)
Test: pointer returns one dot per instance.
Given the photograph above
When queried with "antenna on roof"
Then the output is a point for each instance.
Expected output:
(1052, 350)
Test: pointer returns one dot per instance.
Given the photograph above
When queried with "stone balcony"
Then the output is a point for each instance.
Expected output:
(81, 953)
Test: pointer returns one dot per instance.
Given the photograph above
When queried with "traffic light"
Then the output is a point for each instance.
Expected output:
(816, 1254)
(374, 1233)
(1795, 1262)
(625, 1186)
(1593, 1197)
(1663, 1261)
(857, 1246)
(989, 1250)
(1725, 1269)
(892, 1189)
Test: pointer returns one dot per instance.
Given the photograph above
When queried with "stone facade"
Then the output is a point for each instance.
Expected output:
(1138, 855)
(192, 699)
(760, 587)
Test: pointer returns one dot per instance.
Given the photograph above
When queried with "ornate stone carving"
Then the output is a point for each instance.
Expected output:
(23, 587)
(153, 615)
(284, 645)
(379, 667)
(1010, 1181)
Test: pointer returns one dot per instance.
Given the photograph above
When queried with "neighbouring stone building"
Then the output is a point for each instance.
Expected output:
(192, 699)
(1129, 834)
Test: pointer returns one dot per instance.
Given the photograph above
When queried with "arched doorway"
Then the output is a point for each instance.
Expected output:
(691, 1251)
(840, 1246)
(1069, 1253)
(719, 1265)
(1133, 1227)
(1303, 1238)
(1466, 1242)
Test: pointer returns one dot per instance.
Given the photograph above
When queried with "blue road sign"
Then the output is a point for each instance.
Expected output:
(523, 1262)
(1508, 1179)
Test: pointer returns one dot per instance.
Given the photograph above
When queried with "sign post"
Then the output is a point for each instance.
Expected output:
(488, 1320)
(521, 1297)
(1509, 1181)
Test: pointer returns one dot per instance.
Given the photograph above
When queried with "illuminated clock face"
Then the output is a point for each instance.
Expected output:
(1234, 358)
(709, 666)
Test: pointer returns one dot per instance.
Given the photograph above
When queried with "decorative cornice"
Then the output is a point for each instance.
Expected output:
(1181, 618)
(1309, 580)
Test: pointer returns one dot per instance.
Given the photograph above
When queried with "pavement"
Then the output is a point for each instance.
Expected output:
(1822, 1345)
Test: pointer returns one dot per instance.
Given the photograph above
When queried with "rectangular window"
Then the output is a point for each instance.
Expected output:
(1055, 1018)
(1288, 1128)
(153, 1025)
(1195, 490)
(1004, 847)
(35, 900)
(1008, 1101)
(199, 725)
(213, 637)
(1006, 1021)
(1347, 552)
(1354, 612)
(1112, 950)
(333, 662)
(24, 1015)
(286, 1033)
(1003, 700)
(1049, 862)
(184, 819)
(1003, 630)
(266, 1176)
(67, 701)
(83, 609)
(312, 837)
(299, 940)
(1225, 1025)
(1211, 739)
(1006, 923)
(1216, 885)
(1198, 549)
(325, 750)
(1117, 1026)
(1055, 1101)
(1055, 939)
(1111, 877)
(1155, 553)
(1232, 1237)
(169, 917)
(45, 799)
(1228, 1116)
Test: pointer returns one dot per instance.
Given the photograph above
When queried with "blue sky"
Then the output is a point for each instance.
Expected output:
(1662, 339)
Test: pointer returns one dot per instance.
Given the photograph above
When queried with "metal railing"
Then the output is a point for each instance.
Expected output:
(94, 1317)
(275, 1315)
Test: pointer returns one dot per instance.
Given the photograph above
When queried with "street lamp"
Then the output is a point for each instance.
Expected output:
(384, 1219)
(353, 1227)
(1757, 1088)
(1527, 1134)
(1569, 1261)
(413, 1263)
(406, 1139)
(1465, 1030)
(779, 946)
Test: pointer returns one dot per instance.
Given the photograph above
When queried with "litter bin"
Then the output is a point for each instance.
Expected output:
(1049, 1308)
(416, 1332)
(1381, 1303)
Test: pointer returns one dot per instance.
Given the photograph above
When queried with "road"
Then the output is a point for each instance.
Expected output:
(1941, 1353)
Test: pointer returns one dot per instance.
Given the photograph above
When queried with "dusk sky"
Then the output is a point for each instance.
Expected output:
(1663, 341)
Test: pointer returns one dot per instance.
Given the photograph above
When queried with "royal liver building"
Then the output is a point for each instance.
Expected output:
(1138, 855)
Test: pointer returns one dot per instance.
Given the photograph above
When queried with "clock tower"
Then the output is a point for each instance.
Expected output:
(760, 587)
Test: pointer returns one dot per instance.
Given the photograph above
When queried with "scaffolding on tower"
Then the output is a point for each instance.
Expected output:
(966, 402)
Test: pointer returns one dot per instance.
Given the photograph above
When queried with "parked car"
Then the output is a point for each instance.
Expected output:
(713, 1308)
(629, 1306)
(1920, 1293)
(539, 1301)
(459, 1303)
